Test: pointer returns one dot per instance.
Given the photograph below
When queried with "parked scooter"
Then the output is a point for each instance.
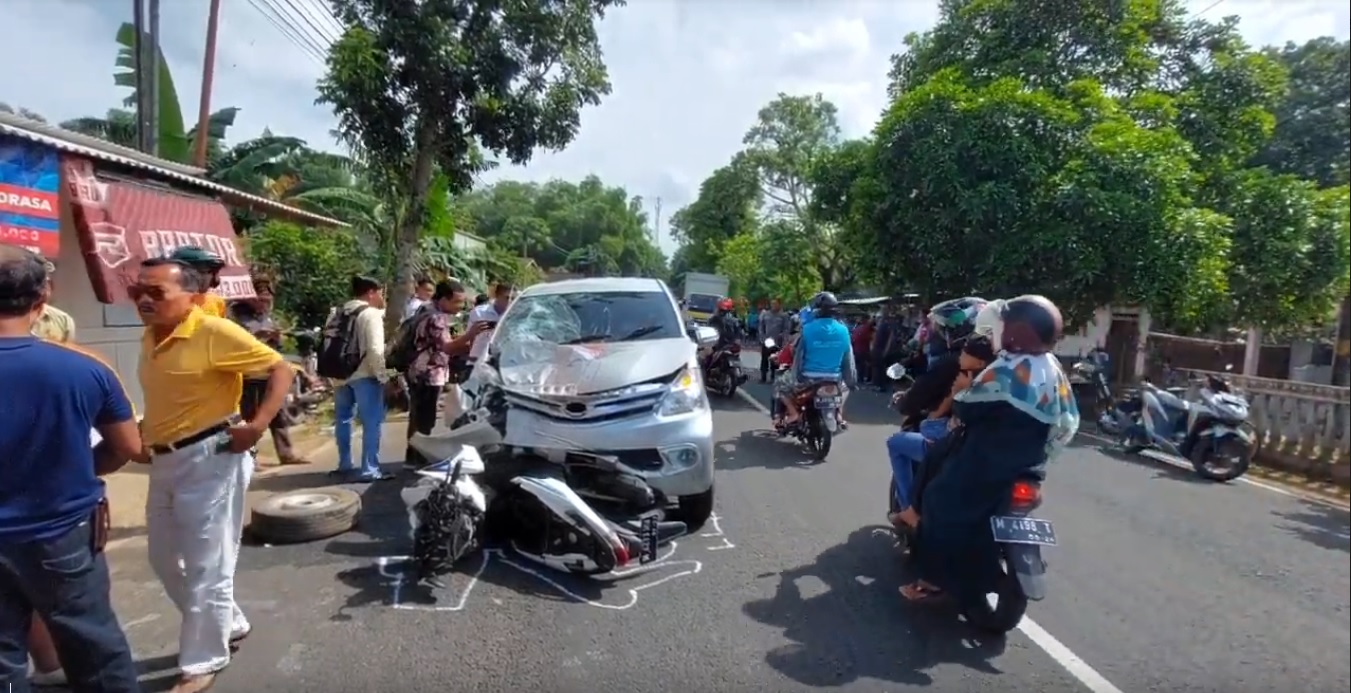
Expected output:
(1213, 434)
(528, 501)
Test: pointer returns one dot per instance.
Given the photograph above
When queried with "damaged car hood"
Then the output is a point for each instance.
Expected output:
(539, 367)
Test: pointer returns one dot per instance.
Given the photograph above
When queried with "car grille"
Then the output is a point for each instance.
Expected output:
(595, 408)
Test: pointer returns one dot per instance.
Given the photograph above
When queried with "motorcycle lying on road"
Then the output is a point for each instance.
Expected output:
(484, 489)
(723, 373)
(1213, 434)
(818, 406)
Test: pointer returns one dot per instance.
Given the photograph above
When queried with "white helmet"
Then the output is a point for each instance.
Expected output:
(989, 322)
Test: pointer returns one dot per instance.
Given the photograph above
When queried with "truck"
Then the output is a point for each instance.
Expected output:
(702, 293)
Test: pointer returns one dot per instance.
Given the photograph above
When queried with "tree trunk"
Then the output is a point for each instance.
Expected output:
(1341, 358)
(410, 227)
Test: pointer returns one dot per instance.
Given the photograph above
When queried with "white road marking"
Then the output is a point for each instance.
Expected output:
(1057, 650)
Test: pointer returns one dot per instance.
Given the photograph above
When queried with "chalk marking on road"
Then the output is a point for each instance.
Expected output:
(399, 578)
(717, 534)
(1057, 650)
(1187, 467)
(140, 621)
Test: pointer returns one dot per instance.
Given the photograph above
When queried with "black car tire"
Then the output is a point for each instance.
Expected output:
(695, 510)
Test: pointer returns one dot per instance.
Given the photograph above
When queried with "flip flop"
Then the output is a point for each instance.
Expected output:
(920, 593)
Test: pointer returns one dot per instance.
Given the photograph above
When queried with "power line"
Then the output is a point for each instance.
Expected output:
(286, 30)
(304, 23)
(324, 14)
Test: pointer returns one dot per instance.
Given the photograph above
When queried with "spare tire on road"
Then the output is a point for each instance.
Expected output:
(304, 515)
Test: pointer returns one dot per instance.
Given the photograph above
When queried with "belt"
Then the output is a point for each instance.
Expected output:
(190, 440)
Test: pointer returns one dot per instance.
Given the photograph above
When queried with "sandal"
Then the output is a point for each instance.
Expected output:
(919, 592)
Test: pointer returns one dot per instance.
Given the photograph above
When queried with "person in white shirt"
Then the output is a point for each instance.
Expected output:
(422, 295)
(491, 312)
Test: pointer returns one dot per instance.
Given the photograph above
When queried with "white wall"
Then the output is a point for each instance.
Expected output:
(114, 331)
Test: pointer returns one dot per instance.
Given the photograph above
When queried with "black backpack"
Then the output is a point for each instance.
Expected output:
(399, 355)
(339, 350)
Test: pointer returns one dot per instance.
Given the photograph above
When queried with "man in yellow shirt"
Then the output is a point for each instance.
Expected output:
(54, 324)
(192, 369)
(207, 263)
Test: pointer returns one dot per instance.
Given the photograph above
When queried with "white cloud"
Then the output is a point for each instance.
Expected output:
(688, 76)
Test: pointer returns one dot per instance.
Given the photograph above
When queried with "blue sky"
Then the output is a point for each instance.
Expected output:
(688, 75)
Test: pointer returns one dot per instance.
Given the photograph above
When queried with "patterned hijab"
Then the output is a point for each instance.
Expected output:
(1036, 386)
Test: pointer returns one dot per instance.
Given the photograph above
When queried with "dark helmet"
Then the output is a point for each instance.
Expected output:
(1031, 325)
(955, 320)
(825, 305)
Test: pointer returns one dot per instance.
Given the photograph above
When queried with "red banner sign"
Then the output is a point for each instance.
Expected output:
(121, 224)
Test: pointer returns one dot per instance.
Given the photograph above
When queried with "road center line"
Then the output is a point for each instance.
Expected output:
(1055, 649)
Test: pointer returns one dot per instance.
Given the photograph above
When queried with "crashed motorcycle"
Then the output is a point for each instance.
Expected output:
(487, 490)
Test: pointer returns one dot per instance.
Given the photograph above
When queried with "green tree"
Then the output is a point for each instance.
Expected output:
(726, 207)
(1313, 122)
(424, 85)
(314, 268)
(790, 136)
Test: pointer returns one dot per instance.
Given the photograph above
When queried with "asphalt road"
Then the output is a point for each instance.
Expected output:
(1159, 583)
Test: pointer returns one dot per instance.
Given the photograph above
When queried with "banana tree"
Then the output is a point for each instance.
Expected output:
(175, 141)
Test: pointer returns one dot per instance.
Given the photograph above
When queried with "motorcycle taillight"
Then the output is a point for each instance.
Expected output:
(1026, 495)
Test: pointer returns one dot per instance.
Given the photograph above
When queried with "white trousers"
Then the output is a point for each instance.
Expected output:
(194, 521)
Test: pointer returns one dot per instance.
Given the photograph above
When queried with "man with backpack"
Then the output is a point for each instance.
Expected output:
(352, 354)
(424, 351)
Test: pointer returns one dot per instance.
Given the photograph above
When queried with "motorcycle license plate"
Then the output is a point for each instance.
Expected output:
(647, 534)
(827, 402)
(1022, 530)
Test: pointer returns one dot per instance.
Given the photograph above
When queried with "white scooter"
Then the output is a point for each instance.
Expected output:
(523, 497)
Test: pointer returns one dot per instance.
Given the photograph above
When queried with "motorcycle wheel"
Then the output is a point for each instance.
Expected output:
(818, 437)
(1007, 611)
(1203, 456)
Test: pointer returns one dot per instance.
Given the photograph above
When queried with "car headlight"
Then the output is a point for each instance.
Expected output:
(687, 394)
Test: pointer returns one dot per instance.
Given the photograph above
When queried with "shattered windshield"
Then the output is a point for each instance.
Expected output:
(584, 318)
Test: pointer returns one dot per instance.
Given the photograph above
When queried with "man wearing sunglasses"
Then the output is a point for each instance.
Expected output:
(192, 370)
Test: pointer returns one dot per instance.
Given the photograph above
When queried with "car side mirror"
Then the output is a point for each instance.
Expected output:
(705, 336)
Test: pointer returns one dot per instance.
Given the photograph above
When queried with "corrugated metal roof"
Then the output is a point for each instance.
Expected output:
(99, 150)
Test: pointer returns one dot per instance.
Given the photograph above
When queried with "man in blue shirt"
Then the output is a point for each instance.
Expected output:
(825, 350)
(52, 513)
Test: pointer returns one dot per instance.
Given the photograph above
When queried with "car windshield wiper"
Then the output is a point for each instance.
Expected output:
(599, 337)
(640, 332)
(607, 337)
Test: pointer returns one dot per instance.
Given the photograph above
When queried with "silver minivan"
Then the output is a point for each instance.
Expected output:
(608, 365)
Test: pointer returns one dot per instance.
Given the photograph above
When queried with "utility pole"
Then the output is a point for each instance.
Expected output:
(152, 134)
(656, 226)
(138, 67)
(208, 75)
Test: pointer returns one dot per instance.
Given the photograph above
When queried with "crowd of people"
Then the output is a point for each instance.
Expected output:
(213, 382)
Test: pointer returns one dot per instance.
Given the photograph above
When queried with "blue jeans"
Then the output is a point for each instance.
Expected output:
(367, 397)
(906, 450)
(66, 583)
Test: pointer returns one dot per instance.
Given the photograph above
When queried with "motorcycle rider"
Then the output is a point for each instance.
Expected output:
(775, 324)
(1014, 418)
(925, 406)
(728, 326)
(824, 352)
